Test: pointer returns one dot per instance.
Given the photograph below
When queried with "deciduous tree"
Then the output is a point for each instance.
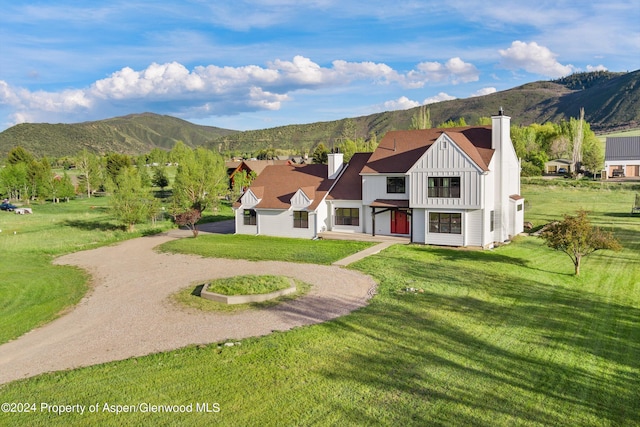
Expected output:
(200, 181)
(131, 202)
(576, 237)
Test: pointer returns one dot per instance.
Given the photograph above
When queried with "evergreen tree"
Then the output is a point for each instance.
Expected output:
(320, 155)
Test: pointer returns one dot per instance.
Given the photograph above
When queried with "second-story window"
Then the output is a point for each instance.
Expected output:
(447, 187)
(396, 184)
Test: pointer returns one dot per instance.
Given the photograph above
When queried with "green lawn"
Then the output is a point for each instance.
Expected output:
(502, 337)
(32, 290)
(249, 285)
(259, 248)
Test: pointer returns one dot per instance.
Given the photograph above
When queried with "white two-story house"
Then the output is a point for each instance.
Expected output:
(454, 186)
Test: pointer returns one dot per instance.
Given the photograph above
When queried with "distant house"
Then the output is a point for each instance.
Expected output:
(559, 166)
(256, 166)
(454, 186)
(622, 157)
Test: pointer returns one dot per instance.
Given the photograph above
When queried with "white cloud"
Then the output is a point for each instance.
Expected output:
(534, 59)
(402, 103)
(455, 71)
(211, 90)
(438, 98)
(596, 68)
(483, 91)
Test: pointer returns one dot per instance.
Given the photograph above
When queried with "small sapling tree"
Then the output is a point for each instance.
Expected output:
(576, 237)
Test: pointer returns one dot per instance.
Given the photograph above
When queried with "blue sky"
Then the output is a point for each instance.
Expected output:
(253, 64)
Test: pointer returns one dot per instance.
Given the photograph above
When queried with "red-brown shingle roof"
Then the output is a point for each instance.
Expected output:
(278, 184)
(399, 150)
(349, 186)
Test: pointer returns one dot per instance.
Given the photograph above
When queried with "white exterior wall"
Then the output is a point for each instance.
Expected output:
(375, 187)
(473, 227)
(507, 171)
(331, 208)
(489, 197)
(518, 225)
(321, 218)
(248, 200)
(273, 222)
(445, 239)
(419, 224)
(240, 227)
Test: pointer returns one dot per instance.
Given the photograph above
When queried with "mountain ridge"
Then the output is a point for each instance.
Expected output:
(611, 102)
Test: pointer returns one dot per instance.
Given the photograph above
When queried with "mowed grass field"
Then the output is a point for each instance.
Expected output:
(32, 290)
(502, 337)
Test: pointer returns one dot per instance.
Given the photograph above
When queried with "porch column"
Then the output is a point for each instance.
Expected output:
(373, 221)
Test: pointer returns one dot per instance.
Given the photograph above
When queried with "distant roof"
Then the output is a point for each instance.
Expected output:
(562, 161)
(277, 184)
(349, 186)
(258, 166)
(400, 150)
(622, 148)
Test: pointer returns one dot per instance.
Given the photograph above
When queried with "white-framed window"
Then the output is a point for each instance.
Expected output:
(442, 222)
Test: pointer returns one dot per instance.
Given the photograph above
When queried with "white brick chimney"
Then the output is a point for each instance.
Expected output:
(335, 164)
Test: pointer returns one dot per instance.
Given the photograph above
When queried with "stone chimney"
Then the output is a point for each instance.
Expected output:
(335, 164)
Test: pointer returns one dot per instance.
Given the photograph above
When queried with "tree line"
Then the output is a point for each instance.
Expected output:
(536, 144)
(200, 181)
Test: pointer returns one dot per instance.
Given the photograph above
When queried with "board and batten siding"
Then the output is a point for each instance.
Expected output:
(249, 200)
(300, 200)
(445, 159)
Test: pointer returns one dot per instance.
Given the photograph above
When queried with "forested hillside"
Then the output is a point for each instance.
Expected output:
(132, 134)
(611, 102)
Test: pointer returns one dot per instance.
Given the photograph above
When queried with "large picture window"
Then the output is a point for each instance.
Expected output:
(249, 217)
(395, 184)
(347, 216)
(448, 187)
(300, 219)
(445, 223)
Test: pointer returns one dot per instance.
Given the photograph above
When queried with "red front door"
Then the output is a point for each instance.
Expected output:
(399, 222)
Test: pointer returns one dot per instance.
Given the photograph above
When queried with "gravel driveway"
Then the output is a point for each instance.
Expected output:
(128, 311)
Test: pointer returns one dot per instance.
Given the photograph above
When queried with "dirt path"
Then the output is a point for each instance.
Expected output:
(128, 312)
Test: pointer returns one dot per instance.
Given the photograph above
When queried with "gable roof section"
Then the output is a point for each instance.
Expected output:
(400, 150)
(349, 185)
(622, 148)
(281, 182)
